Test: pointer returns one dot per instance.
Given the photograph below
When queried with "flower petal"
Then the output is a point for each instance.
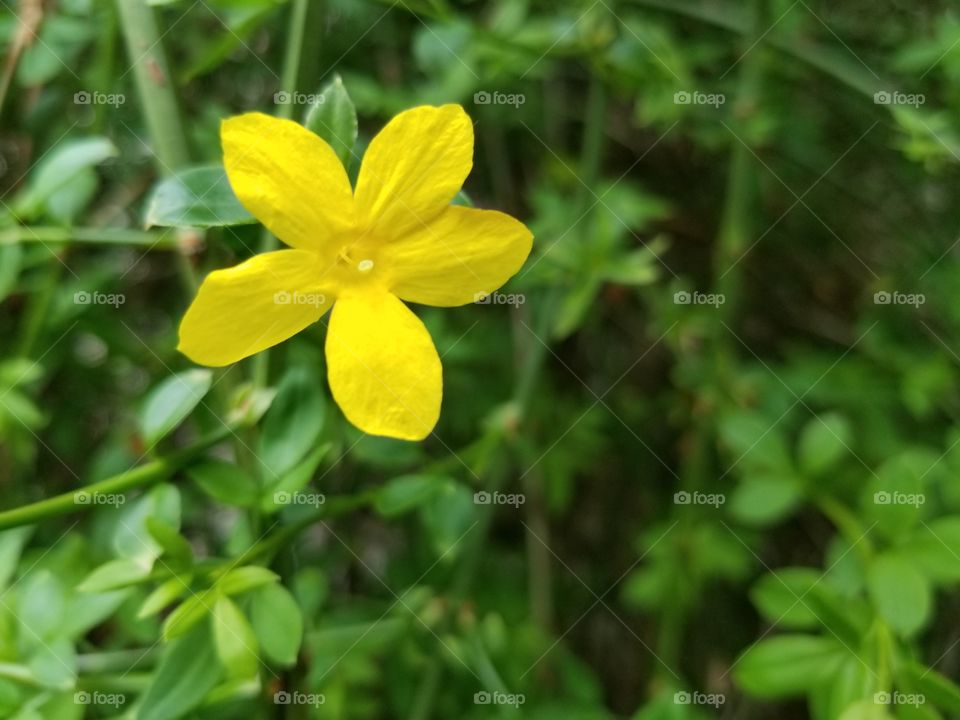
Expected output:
(383, 368)
(463, 253)
(255, 305)
(288, 178)
(413, 168)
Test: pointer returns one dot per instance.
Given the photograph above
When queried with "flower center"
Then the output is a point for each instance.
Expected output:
(355, 266)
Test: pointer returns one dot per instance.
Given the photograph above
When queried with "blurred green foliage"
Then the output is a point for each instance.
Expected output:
(707, 467)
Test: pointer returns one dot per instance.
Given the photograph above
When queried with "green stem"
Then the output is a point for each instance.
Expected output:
(885, 653)
(591, 154)
(122, 661)
(333, 507)
(164, 239)
(38, 309)
(157, 99)
(138, 477)
(133, 683)
(103, 67)
(154, 85)
(289, 75)
(18, 673)
(738, 214)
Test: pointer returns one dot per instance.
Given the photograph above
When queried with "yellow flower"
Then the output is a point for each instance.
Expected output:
(362, 251)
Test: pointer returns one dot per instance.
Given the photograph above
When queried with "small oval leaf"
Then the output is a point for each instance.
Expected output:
(198, 197)
(334, 118)
(171, 402)
(278, 623)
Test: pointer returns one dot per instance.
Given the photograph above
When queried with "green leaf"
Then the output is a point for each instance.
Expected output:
(278, 623)
(11, 260)
(225, 482)
(88, 610)
(42, 604)
(11, 546)
(574, 307)
(939, 690)
(247, 690)
(54, 664)
(755, 443)
(114, 574)
(637, 267)
(334, 118)
(787, 665)
(242, 579)
(171, 402)
(935, 546)
(176, 547)
(293, 480)
(311, 588)
(188, 614)
(801, 598)
(823, 442)
(248, 404)
(900, 592)
(915, 709)
(405, 493)
(780, 597)
(197, 197)
(765, 499)
(292, 424)
(65, 205)
(164, 594)
(58, 168)
(337, 637)
(894, 497)
(132, 538)
(235, 641)
(866, 710)
(449, 516)
(852, 680)
(187, 672)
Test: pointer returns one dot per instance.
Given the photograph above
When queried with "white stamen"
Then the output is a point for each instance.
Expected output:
(365, 266)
